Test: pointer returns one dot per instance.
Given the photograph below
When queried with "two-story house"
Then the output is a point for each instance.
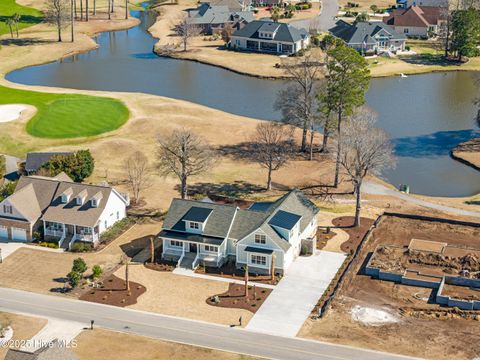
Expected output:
(60, 208)
(267, 233)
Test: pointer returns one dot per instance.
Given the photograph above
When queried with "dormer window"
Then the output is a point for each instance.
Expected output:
(80, 198)
(194, 225)
(95, 200)
(94, 203)
(65, 196)
(7, 209)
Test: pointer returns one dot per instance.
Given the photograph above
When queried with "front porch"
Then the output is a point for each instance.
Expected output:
(68, 234)
(190, 254)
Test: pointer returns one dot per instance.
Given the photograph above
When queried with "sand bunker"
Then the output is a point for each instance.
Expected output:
(11, 112)
(372, 316)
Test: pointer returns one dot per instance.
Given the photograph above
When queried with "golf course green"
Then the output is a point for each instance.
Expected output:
(28, 16)
(62, 116)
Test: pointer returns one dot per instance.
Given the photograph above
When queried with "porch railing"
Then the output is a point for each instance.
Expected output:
(54, 232)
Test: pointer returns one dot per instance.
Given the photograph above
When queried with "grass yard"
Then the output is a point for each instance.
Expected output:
(61, 116)
(29, 16)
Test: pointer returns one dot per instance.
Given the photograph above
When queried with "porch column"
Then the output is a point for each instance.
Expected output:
(278, 47)
(63, 229)
(74, 231)
(44, 228)
(258, 44)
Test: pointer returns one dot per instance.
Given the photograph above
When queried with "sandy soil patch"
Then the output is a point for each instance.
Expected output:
(183, 296)
(426, 337)
(11, 112)
(24, 327)
(469, 152)
(102, 344)
(372, 316)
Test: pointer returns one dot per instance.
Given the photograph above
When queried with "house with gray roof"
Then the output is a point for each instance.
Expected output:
(35, 160)
(270, 37)
(63, 210)
(267, 233)
(373, 37)
(213, 18)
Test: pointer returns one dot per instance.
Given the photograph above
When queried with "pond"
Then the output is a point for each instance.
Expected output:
(426, 115)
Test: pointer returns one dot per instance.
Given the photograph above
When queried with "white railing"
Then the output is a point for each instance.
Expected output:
(71, 242)
(62, 239)
(196, 261)
(87, 237)
(55, 233)
(181, 257)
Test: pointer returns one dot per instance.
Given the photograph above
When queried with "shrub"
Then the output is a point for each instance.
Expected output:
(97, 271)
(304, 250)
(79, 265)
(407, 48)
(117, 229)
(49, 244)
(73, 278)
(81, 247)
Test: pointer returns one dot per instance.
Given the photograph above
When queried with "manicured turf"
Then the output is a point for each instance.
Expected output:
(68, 115)
(29, 16)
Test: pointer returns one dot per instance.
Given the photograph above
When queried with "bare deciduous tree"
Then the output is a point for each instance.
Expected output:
(273, 147)
(57, 13)
(304, 73)
(184, 154)
(366, 150)
(186, 31)
(138, 174)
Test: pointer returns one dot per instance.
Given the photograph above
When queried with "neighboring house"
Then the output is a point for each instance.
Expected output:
(66, 211)
(423, 21)
(270, 37)
(435, 3)
(53, 351)
(369, 37)
(213, 18)
(35, 160)
(196, 232)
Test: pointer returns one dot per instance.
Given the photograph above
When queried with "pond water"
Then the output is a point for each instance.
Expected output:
(426, 115)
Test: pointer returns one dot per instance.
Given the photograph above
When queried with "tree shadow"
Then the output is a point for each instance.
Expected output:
(436, 144)
(25, 19)
(24, 41)
(232, 190)
(242, 151)
(429, 59)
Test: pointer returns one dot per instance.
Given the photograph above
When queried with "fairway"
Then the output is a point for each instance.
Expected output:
(29, 16)
(63, 116)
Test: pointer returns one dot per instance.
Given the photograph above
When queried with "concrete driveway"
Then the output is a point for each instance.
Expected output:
(324, 21)
(291, 302)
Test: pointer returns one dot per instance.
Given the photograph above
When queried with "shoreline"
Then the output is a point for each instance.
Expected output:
(462, 151)
(131, 104)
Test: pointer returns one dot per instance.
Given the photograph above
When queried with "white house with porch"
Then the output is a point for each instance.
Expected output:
(265, 237)
(64, 210)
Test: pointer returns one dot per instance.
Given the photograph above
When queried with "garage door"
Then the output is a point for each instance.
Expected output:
(19, 234)
(3, 232)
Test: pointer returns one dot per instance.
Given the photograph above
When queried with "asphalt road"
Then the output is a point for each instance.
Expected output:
(324, 21)
(180, 330)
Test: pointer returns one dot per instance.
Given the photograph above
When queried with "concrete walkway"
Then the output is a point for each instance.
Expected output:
(191, 273)
(377, 189)
(293, 299)
(61, 330)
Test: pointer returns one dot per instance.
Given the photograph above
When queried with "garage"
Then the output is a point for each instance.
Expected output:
(3, 232)
(19, 234)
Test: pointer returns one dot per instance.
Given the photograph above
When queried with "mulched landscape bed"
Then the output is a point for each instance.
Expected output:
(323, 236)
(229, 270)
(161, 265)
(235, 298)
(113, 292)
(356, 234)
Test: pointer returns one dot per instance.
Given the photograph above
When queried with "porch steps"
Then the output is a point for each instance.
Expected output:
(187, 261)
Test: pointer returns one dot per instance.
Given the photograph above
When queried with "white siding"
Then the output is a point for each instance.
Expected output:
(115, 210)
(242, 256)
(412, 30)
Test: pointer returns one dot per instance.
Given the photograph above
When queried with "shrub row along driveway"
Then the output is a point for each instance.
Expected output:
(291, 302)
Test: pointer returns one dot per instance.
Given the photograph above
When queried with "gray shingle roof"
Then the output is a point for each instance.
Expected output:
(284, 32)
(258, 250)
(217, 14)
(218, 222)
(294, 205)
(361, 32)
(35, 160)
(196, 238)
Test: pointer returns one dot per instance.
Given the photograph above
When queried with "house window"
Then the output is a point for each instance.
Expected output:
(259, 260)
(260, 239)
(194, 225)
(211, 248)
(118, 215)
(7, 209)
(64, 199)
(106, 224)
(79, 201)
(405, 31)
(176, 243)
(94, 203)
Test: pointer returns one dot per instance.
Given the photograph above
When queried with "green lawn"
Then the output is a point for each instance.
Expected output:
(29, 16)
(62, 116)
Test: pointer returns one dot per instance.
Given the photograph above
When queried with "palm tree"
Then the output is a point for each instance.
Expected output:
(10, 23)
(275, 13)
(86, 10)
(16, 18)
(108, 10)
(126, 9)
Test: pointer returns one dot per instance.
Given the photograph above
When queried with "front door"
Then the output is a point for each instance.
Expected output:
(193, 248)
